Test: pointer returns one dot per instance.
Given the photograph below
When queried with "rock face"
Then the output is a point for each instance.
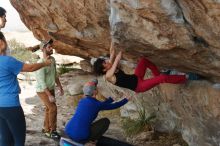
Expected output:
(80, 28)
(180, 34)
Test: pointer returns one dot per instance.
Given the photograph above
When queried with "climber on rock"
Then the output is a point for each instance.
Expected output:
(136, 82)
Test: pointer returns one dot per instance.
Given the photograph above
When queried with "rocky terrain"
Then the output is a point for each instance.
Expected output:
(176, 34)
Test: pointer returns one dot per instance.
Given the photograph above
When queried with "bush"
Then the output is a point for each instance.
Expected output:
(142, 123)
(64, 69)
(19, 51)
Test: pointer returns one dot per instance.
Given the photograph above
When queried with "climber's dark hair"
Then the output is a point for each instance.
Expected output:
(2, 11)
(98, 66)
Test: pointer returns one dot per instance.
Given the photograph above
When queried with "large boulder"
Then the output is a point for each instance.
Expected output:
(180, 34)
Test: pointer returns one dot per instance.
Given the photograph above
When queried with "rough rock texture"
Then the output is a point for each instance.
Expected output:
(78, 26)
(180, 34)
(191, 109)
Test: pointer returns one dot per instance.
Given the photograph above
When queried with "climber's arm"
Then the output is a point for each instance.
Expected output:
(112, 70)
(112, 52)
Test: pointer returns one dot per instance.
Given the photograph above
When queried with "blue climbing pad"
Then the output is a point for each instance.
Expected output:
(103, 141)
(69, 142)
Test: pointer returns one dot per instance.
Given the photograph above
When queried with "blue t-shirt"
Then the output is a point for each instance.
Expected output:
(9, 87)
(78, 128)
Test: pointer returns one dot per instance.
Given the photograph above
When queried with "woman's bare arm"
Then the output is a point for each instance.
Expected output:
(112, 52)
(112, 70)
(35, 66)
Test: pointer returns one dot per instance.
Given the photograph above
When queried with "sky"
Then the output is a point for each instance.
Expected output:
(14, 22)
(14, 28)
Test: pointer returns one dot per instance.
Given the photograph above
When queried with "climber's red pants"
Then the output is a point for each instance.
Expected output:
(146, 84)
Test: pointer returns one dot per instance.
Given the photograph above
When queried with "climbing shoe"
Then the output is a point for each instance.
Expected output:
(47, 134)
(43, 130)
(53, 134)
(194, 76)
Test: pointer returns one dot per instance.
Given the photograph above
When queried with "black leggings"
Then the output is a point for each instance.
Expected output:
(98, 128)
(12, 126)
